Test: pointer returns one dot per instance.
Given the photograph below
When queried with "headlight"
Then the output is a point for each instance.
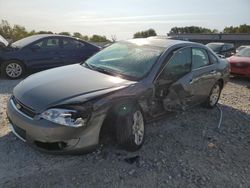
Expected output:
(64, 117)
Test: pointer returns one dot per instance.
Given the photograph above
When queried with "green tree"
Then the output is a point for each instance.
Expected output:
(19, 32)
(6, 29)
(98, 38)
(44, 32)
(80, 36)
(238, 29)
(145, 34)
(191, 29)
(64, 33)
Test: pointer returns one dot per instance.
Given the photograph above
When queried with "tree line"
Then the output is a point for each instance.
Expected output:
(17, 32)
(195, 29)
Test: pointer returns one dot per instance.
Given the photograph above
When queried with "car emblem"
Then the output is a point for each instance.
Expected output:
(18, 106)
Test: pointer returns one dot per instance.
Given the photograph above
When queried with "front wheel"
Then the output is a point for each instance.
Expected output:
(13, 69)
(130, 129)
(214, 96)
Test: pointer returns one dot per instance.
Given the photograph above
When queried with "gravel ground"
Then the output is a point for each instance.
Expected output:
(181, 150)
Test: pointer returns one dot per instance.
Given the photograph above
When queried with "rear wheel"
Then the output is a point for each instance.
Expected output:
(13, 69)
(130, 129)
(214, 96)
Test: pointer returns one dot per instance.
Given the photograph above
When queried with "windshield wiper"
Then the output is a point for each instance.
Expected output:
(104, 70)
(87, 65)
(99, 69)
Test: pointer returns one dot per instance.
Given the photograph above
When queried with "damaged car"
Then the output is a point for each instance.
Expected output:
(129, 83)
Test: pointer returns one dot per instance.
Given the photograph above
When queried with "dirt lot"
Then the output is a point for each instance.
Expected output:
(182, 150)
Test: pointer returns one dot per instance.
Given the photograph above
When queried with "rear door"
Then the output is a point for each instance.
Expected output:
(204, 73)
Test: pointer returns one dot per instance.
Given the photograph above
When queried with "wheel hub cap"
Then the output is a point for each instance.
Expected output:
(138, 127)
(13, 70)
(215, 95)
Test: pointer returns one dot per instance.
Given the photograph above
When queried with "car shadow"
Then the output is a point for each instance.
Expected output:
(7, 86)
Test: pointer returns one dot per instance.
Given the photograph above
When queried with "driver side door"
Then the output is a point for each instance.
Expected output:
(173, 86)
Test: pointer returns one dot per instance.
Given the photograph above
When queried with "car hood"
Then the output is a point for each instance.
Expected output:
(52, 87)
(238, 59)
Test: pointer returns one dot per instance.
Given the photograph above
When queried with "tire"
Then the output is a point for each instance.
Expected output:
(214, 96)
(130, 129)
(13, 69)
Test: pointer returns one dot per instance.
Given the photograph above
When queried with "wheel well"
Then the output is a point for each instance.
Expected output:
(20, 61)
(221, 82)
(108, 125)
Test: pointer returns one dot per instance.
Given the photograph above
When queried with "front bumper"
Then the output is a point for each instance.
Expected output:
(51, 137)
(241, 71)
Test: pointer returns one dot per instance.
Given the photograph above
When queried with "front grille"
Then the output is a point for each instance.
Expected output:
(19, 131)
(23, 108)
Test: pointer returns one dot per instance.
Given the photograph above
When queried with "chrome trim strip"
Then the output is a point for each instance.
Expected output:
(15, 133)
(14, 106)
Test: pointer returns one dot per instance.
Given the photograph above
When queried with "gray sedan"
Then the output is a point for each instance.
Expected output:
(119, 89)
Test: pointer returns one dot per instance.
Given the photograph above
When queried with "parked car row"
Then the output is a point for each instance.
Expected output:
(40, 52)
(222, 49)
(239, 61)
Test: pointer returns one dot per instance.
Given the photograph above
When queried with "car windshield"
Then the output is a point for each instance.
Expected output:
(126, 59)
(244, 52)
(215, 47)
(25, 41)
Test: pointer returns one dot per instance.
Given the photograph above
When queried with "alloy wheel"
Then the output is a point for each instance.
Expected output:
(138, 127)
(215, 94)
(13, 70)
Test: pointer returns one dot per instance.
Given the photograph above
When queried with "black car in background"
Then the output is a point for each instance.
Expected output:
(222, 49)
(39, 52)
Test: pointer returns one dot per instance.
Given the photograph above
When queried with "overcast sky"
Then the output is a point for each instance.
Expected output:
(123, 17)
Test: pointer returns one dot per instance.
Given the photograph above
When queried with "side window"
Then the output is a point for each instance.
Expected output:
(45, 44)
(212, 58)
(39, 45)
(199, 58)
(178, 65)
(52, 43)
(71, 44)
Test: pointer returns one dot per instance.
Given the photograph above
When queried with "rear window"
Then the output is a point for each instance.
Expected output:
(215, 47)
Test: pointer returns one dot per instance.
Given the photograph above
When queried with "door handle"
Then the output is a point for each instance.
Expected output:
(213, 72)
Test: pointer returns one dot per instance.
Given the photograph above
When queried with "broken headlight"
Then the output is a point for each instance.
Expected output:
(65, 117)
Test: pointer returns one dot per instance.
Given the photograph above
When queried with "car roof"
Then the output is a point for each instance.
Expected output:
(158, 42)
(246, 46)
(40, 36)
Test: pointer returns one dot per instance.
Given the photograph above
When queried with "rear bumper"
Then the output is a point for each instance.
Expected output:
(51, 137)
